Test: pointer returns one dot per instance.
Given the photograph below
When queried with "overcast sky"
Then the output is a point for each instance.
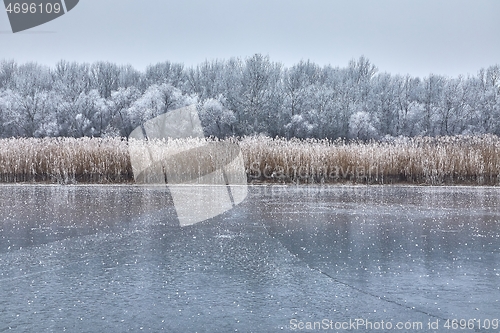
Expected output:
(418, 37)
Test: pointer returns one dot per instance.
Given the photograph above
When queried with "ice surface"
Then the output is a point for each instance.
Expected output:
(114, 258)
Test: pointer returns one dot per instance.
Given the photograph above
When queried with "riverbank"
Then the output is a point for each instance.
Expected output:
(459, 160)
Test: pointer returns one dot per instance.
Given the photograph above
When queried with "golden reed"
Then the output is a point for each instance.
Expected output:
(419, 160)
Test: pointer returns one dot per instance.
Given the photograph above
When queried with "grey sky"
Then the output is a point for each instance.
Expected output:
(419, 37)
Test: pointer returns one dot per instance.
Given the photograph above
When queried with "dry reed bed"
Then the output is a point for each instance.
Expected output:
(64, 160)
(450, 160)
(420, 160)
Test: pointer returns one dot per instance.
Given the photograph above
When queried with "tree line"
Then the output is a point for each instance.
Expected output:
(238, 97)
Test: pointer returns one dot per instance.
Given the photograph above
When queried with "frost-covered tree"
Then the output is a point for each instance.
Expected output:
(128, 77)
(118, 105)
(361, 127)
(382, 104)
(216, 120)
(452, 108)
(296, 83)
(245, 97)
(89, 116)
(27, 107)
(31, 78)
(485, 101)
(164, 73)
(208, 79)
(104, 77)
(407, 104)
(322, 110)
(300, 126)
(7, 111)
(30, 115)
(71, 79)
(260, 90)
(156, 100)
(8, 69)
(431, 91)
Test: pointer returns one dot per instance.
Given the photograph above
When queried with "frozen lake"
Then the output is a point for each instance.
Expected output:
(113, 259)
